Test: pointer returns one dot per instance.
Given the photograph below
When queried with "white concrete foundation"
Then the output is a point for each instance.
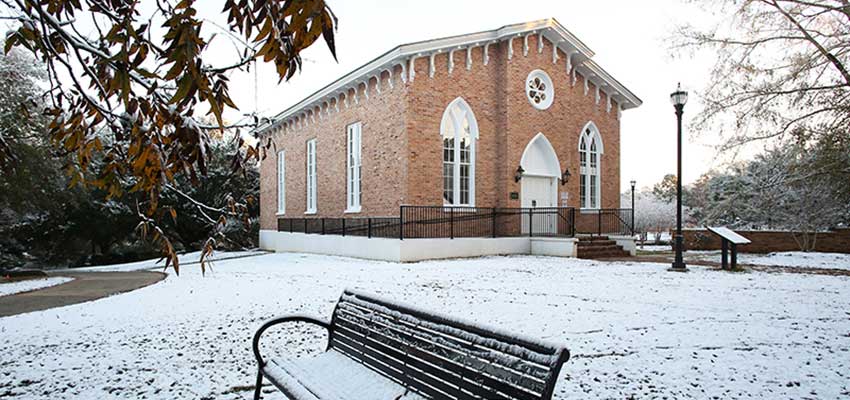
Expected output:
(627, 242)
(556, 247)
(410, 250)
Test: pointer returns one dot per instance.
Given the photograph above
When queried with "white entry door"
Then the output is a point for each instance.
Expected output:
(539, 192)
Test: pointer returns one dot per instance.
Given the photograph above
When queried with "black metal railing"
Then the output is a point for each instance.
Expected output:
(382, 227)
(430, 222)
(605, 221)
(456, 222)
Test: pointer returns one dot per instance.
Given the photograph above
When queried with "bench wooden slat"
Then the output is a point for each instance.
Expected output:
(391, 365)
(467, 360)
(462, 366)
(513, 345)
(464, 363)
(461, 346)
(460, 377)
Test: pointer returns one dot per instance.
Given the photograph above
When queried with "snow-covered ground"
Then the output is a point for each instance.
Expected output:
(185, 259)
(8, 288)
(796, 259)
(634, 329)
(655, 248)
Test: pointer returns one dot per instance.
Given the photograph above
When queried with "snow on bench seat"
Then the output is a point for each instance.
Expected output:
(333, 376)
(378, 347)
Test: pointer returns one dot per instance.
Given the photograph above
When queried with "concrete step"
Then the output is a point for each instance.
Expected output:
(596, 243)
(591, 249)
(603, 254)
(598, 247)
(592, 238)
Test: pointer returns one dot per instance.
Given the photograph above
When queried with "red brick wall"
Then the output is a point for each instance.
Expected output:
(506, 122)
(383, 159)
(836, 241)
(428, 99)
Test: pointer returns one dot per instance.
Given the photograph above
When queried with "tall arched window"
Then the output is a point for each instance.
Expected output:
(590, 151)
(459, 131)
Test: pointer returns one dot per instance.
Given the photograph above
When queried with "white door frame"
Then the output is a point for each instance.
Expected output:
(540, 160)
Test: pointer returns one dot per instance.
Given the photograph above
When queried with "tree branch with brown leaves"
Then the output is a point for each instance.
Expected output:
(130, 94)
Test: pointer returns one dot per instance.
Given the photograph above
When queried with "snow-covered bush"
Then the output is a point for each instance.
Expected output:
(653, 214)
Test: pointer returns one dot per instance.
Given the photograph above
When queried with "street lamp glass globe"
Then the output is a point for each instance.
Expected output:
(679, 97)
(633, 184)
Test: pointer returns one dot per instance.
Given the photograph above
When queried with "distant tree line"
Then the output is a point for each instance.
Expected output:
(798, 185)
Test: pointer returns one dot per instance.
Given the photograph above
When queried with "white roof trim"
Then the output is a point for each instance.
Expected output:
(550, 28)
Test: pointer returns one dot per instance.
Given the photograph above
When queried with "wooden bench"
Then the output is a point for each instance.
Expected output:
(379, 349)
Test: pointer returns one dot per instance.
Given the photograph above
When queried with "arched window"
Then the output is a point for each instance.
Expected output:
(590, 151)
(459, 131)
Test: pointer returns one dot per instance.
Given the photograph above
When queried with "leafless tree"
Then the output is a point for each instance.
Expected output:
(781, 65)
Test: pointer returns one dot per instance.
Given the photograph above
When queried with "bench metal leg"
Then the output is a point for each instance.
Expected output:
(259, 384)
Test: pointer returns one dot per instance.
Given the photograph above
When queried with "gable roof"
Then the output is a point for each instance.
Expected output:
(550, 28)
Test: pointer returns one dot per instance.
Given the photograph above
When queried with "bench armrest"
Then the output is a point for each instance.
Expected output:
(279, 320)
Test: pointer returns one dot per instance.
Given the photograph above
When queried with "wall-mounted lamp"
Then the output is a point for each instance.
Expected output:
(519, 172)
(565, 177)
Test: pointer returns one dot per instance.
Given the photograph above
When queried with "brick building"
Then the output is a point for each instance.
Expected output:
(520, 116)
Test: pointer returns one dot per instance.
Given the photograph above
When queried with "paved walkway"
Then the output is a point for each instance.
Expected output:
(86, 286)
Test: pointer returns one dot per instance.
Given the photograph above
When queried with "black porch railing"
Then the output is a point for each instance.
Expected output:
(456, 222)
(605, 221)
(430, 222)
(382, 227)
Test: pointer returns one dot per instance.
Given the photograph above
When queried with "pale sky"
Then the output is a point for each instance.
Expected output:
(629, 38)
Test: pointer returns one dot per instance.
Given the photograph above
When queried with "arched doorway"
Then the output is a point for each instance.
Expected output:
(539, 187)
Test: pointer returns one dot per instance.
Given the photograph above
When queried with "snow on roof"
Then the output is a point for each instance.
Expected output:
(404, 54)
(728, 234)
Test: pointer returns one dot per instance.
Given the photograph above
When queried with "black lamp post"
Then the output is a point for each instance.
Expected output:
(679, 98)
(633, 206)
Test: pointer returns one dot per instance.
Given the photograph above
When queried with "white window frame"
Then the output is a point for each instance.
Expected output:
(587, 174)
(354, 133)
(312, 192)
(456, 121)
(548, 93)
(281, 182)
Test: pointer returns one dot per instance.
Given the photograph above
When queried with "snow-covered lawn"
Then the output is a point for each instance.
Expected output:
(796, 259)
(8, 288)
(655, 248)
(634, 329)
(186, 258)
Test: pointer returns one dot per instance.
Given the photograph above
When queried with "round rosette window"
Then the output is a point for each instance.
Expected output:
(539, 89)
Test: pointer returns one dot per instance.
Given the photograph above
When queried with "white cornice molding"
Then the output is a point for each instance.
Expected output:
(550, 29)
(555, 53)
(525, 44)
(630, 99)
(540, 43)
